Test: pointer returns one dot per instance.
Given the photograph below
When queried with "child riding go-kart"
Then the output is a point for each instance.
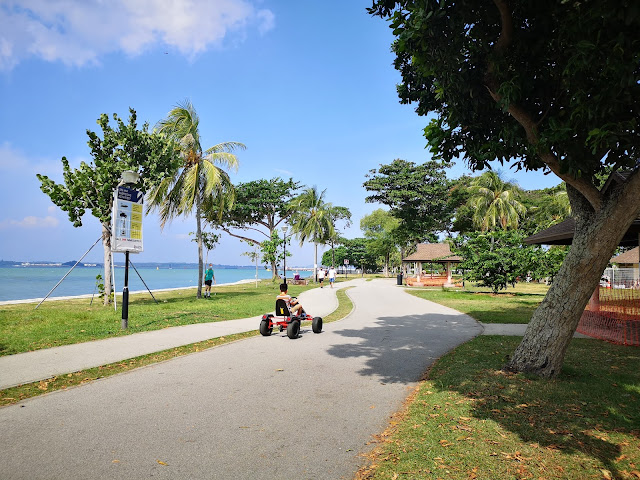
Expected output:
(289, 315)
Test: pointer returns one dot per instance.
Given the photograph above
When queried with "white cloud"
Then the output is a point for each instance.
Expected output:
(78, 32)
(11, 159)
(18, 165)
(31, 222)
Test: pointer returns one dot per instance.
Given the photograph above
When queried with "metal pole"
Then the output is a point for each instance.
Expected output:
(125, 293)
(113, 289)
(65, 276)
(285, 258)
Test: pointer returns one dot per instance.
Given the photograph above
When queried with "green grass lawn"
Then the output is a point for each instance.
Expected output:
(514, 305)
(65, 322)
(470, 420)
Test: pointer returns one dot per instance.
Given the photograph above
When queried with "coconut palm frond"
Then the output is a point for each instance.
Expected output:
(224, 160)
(495, 202)
(228, 147)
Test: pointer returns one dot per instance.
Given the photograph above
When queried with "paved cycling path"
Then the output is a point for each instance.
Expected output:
(262, 408)
(45, 363)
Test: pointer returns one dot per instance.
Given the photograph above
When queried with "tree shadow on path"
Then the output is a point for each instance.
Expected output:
(400, 349)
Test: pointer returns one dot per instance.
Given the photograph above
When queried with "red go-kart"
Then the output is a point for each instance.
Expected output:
(283, 319)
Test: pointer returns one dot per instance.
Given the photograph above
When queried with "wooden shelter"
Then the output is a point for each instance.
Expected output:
(628, 259)
(611, 314)
(432, 253)
(562, 234)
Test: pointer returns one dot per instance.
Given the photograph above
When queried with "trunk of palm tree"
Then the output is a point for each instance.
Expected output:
(199, 240)
(106, 244)
(315, 261)
(333, 255)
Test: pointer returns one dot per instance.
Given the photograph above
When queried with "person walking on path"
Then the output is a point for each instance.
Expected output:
(332, 276)
(209, 278)
(321, 276)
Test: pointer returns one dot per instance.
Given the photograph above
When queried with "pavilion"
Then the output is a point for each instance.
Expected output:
(432, 253)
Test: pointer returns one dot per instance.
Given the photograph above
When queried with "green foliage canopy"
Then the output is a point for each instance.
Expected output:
(471, 62)
(495, 259)
(417, 195)
(125, 147)
(258, 203)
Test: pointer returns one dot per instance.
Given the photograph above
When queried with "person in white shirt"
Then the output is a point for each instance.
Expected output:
(321, 276)
(332, 276)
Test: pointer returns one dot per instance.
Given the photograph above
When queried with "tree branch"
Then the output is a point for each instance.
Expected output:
(524, 118)
(242, 237)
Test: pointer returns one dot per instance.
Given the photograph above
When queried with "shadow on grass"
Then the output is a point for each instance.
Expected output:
(587, 410)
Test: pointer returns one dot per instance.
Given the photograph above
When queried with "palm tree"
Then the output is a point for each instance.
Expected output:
(201, 182)
(337, 213)
(311, 220)
(495, 202)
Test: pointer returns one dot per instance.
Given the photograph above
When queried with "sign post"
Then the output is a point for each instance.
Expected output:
(346, 266)
(126, 234)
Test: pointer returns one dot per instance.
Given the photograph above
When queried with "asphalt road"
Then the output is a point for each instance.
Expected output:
(263, 408)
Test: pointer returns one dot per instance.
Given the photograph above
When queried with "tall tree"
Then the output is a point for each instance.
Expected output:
(417, 195)
(496, 260)
(337, 214)
(547, 85)
(379, 228)
(495, 202)
(201, 184)
(259, 207)
(545, 207)
(91, 187)
(311, 220)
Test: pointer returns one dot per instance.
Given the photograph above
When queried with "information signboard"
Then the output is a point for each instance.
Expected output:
(346, 261)
(126, 221)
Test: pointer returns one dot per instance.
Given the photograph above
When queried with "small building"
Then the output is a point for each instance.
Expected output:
(431, 253)
(613, 312)
(628, 259)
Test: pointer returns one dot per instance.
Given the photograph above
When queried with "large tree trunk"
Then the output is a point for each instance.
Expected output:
(106, 245)
(597, 234)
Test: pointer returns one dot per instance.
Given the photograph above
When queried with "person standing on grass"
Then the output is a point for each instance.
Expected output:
(209, 278)
(321, 276)
(332, 276)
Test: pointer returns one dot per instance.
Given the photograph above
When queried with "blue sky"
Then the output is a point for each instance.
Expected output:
(308, 87)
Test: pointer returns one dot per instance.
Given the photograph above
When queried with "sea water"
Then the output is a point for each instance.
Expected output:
(17, 283)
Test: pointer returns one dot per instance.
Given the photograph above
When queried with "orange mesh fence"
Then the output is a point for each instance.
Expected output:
(614, 317)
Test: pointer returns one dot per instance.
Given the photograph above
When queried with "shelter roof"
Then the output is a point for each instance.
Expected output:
(630, 256)
(562, 233)
(433, 252)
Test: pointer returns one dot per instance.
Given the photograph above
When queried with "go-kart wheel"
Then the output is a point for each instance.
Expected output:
(293, 329)
(316, 324)
(264, 328)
